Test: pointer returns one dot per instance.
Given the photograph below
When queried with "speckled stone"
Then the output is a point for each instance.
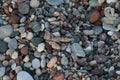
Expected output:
(3, 45)
(12, 44)
(55, 2)
(36, 27)
(24, 8)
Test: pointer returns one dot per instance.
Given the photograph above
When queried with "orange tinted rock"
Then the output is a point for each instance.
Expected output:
(6, 9)
(94, 16)
(14, 19)
(58, 77)
(11, 75)
(52, 62)
(24, 50)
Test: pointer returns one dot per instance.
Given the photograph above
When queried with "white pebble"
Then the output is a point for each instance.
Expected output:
(18, 69)
(34, 3)
(7, 39)
(111, 1)
(35, 63)
(56, 34)
(29, 36)
(23, 35)
(13, 66)
(26, 59)
(38, 72)
(41, 47)
(14, 55)
(118, 72)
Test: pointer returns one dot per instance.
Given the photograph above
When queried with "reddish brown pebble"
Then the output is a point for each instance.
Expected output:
(6, 9)
(24, 50)
(58, 77)
(11, 75)
(14, 19)
(69, 78)
(94, 16)
(52, 62)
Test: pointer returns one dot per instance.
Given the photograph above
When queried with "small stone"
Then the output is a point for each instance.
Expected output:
(97, 30)
(24, 50)
(22, 30)
(28, 64)
(55, 2)
(14, 55)
(5, 63)
(6, 77)
(93, 62)
(2, 57)
(56, 34)
(111, 1)
(94, 3)
(59, 76)
(88, 32)
(56, 13)
(37, 54)
(2, 71)
(43, 61)
(101, 1)
(64, 61)
(18, 69)
(11, 75)
(5, 31)
(26, 59)
(38, 72)
(41, 47)
(77, 50)
(100, 58)
(29, 35)
(52, 62)
(23, 8)
(23, 19)
(55, 46)
(36, 27)
(35, 63)
(94, 16)
(118, 72)
(23, 75)
(14, 19)
(13, 66)
(36, 40)
(12, 44)
(109, 27)
(3, 45)
(34, 3)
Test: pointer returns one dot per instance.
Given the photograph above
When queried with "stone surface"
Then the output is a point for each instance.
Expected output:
(14, 19)
(94, 16)
(52, 62)
(55, 2)
(34, 3)
(23, 8)
(24, 50)
(36, 40)
(14, 55)
(35, 63)
(2, 71)
(36, 27)
(3, 45)
(41, 47)
(59, 76)
(64, 61)
(23, 75)
(12, 44)
(77, 50)
(29, 35)
(5, 31)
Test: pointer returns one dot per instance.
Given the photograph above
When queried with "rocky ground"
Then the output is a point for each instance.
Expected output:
(59, 40)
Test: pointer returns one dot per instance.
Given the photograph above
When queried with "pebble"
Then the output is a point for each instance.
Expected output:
(41, 47)
(101, 1)
(43, 61)
(14, 55)
(2, 71)
(23, 75)
(37, 54)
(97, 30)
(59, 76)
(100, 58)
(35, 63)
(55, 46)
(88, 32)
(118, 72)
(14, 19)
(18, 69)
(36, 40)
(2, 57)
(111, 1)
(5, 31)
(13, 66)
(94, 3)
(26, 59)
(38, 72)
(77, 50)
(64, 61)
(55, 2)
(109, 27)
(28, 64)
(52, 62)
(34, 3)
(12, 44)
(5, 63)
(94, 16)
(4, 46)
(24, 50)
(36, 27)
(23, 8)
(29, 35)
(5, 77)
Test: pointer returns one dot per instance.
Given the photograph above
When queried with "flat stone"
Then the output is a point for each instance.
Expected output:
(97, 30)
(36, 27)
(64, 61)
(34, 3)
(36, 40)
(55, 2)
(52, 62)
(14, 55)
(3, 45)
(23, 75)
(5, 31)
(12, 44)
(77, 50)
(36, 63)
(41, 47)
(24, 8)
(2, 71)
(109, 27)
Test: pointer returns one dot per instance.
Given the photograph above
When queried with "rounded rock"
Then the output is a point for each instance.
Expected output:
(36, 27)
(3, 45)
(14, 55)
(34, 3)
(2, 71)
(12, 44)
(55, 2)
(52, 62)
(23, 8)
(41, 47)
(23, 75)
(35, 63)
